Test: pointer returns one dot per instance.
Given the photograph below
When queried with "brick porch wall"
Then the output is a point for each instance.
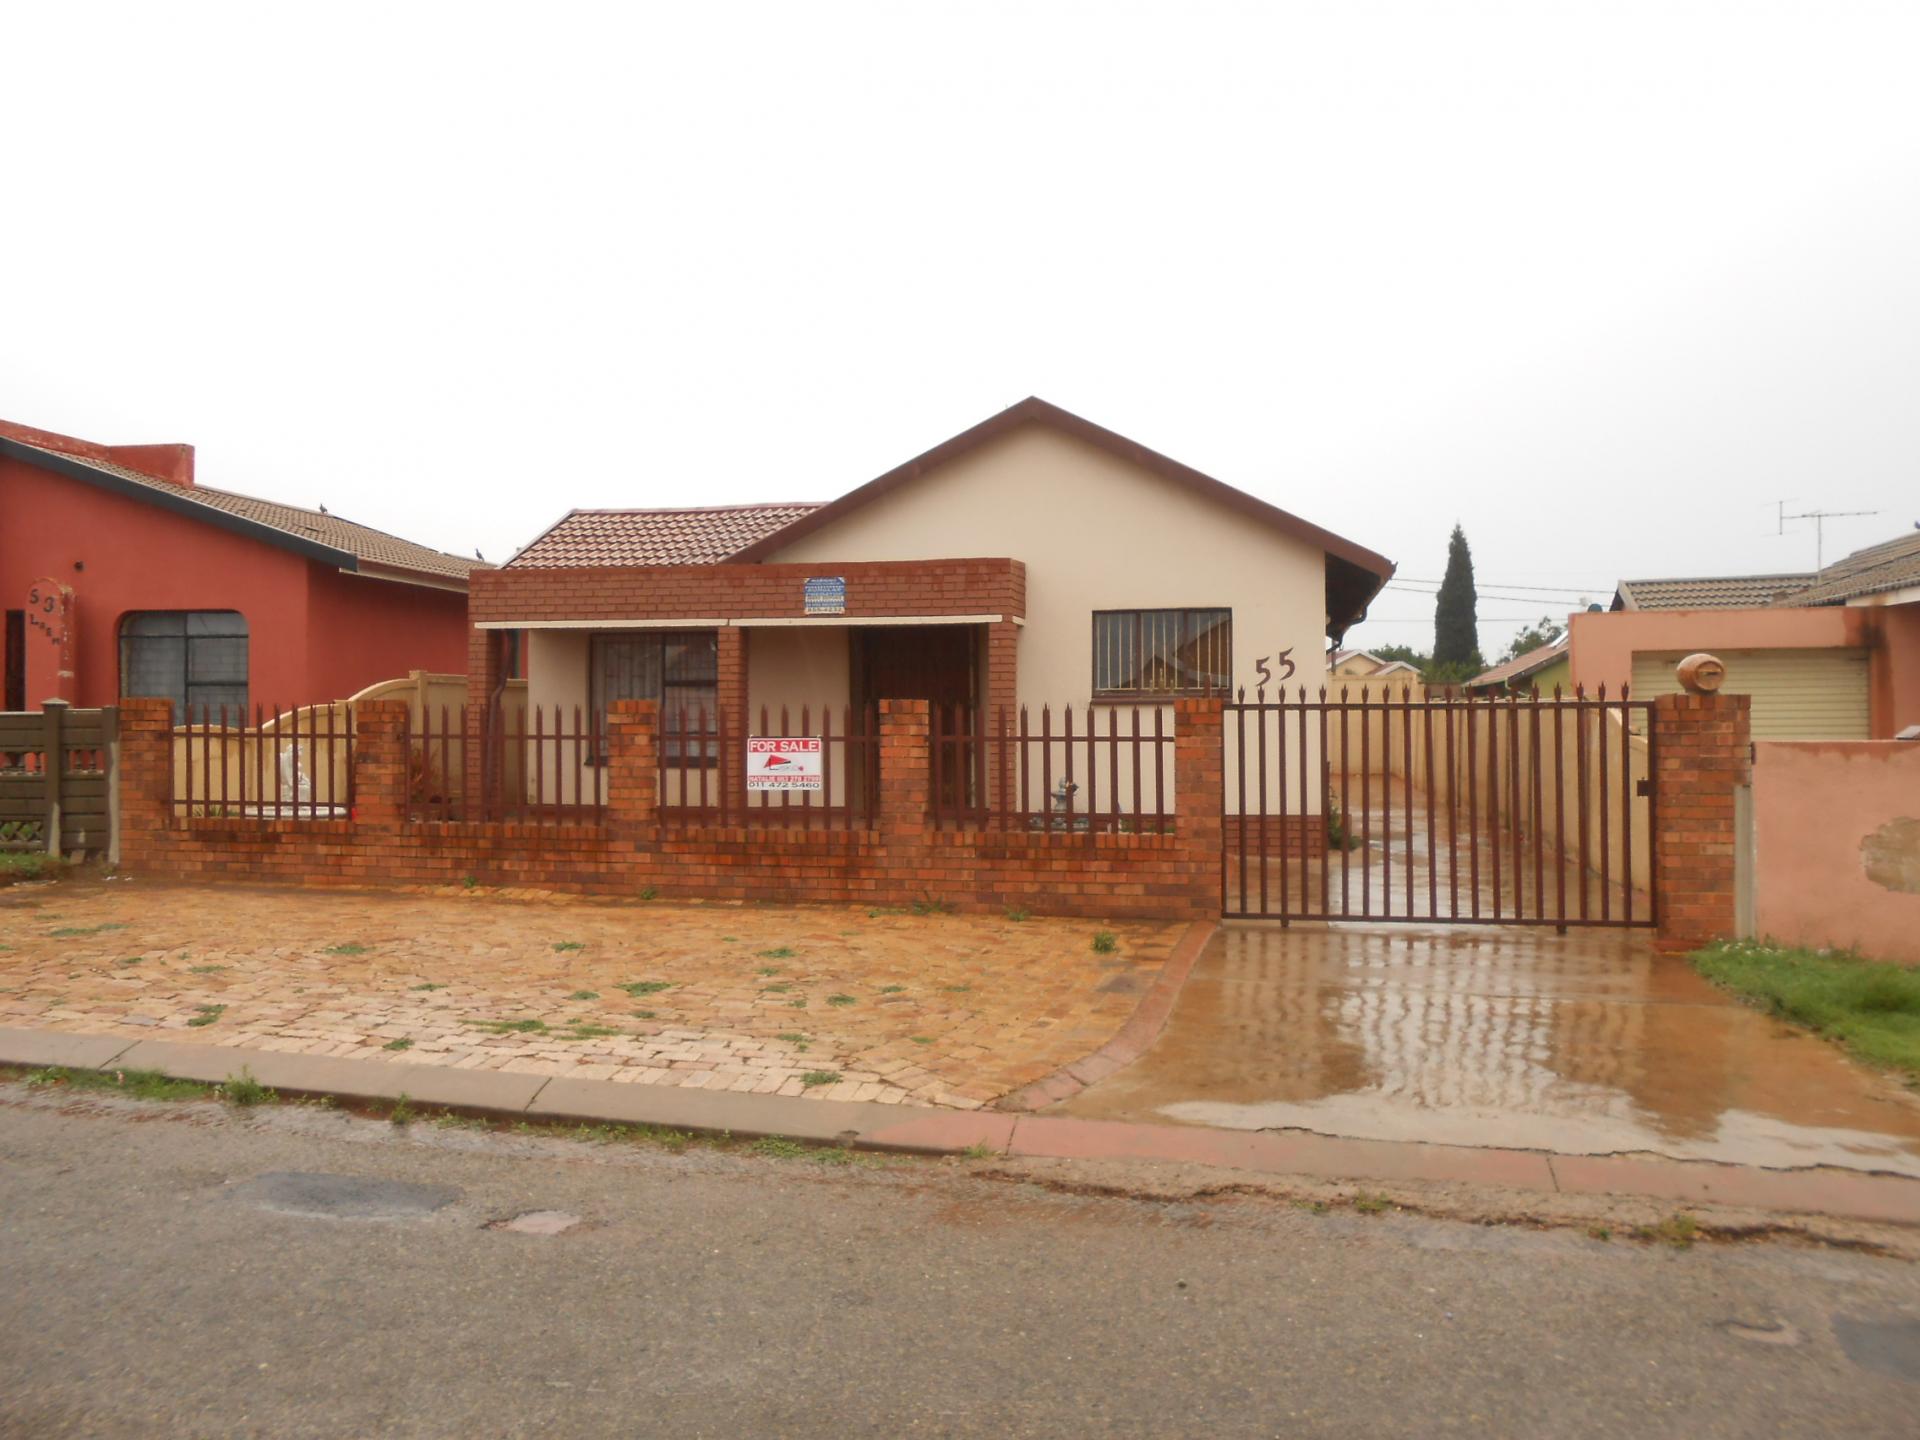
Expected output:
(629, 851)
(1702, 755)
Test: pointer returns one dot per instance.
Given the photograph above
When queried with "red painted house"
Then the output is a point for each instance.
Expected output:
(120, 576)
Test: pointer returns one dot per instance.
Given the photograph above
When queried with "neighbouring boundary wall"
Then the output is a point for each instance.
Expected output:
(1836, 845)
(631, 850)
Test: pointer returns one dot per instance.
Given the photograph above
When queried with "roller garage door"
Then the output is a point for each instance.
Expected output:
(1797, 694)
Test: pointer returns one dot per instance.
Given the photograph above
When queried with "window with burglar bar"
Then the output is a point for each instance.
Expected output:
(195, 658)
(680, 669)
(1162, 652)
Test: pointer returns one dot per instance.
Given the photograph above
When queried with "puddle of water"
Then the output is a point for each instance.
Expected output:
(1580, 1044)
(1891, 1347)
(342, 1197)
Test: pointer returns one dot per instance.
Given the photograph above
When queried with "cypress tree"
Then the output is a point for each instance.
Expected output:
(1456, 629)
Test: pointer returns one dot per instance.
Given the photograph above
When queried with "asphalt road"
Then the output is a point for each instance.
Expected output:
(161, 1275)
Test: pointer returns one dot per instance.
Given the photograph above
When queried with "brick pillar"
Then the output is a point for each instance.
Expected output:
(999, 690)
(382, 771)
(1702, 756)
(1199, 773)
(633, 770)
(146, 777)
(484, 673)
(905, 774)
(730, 694)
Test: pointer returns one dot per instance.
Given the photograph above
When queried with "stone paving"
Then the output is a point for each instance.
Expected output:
(822, 1002)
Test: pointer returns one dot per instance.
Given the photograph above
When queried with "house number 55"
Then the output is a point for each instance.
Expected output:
(1285, 661)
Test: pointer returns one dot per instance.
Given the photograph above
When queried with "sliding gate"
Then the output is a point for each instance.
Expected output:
(1442, 809)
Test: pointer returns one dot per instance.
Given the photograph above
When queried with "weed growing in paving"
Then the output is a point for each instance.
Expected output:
(923, 1040)
(932, 907)
(472, 882)
(578, 1030)
(841, 1000)
(1599, 1232)
(956, 989)
(139, 1084)
(1679, 1231)
(768, 970)
(584, 995)
(401, 1044)
(130, 960)
(350, 948)
(648, 892)
(206, 969)
(795, 1039)
(1105, 942)
(75, 932)
(561, 946)
(207, 1015)
(1017, 912)
(891, 989)
(430, 985)
(778, 1147)
(510, 1027)
(779, 987)
(402, 1113)
(243, 1090)
(639, 988)
(1367, 1204)
(797, 1004)
(815, 1078)
(779, 952)
(1872, 1008)
(979, 1150)
(645, 1014)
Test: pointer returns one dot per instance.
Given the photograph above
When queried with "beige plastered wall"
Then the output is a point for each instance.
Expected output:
(1096, 533)
(1836, 845)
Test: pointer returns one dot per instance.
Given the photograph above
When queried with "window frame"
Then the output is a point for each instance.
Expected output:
(127, 638)
(1122, 696)
(597, 703)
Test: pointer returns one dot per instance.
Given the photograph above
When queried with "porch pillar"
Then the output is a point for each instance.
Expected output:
(1702, 757)
(736, 724)
(999, 690)
(633, 769)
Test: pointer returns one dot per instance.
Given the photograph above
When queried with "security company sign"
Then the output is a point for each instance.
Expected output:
(784, 763)
(825, 595)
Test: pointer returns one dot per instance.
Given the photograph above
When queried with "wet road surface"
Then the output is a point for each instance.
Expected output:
(1588, 1043)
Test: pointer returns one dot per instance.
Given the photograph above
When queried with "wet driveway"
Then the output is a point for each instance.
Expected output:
(1588, 1043)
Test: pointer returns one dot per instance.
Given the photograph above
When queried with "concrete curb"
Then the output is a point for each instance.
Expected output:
(1143, 1027)
(1841, 1194)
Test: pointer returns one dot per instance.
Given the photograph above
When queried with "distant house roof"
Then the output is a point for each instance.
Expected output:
(1380, 667)
(704, 536)
(1876, 570)
(314, 533)
(1519, 668)
(1707, 592)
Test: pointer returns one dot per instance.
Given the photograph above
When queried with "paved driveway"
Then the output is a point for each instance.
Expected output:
(1580, 1044)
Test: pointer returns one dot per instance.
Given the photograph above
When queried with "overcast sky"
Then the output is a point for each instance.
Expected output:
(1601, 282)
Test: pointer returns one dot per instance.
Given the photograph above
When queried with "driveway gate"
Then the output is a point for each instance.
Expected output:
(1516, 810)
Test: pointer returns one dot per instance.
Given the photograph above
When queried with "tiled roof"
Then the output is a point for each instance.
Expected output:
(1520, 666)
(1708, 592)
(375, 547)
(1891, 565)
(705, 536)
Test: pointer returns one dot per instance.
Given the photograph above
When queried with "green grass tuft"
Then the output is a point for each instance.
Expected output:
(841, 1000)
(430, 985)
(74, 932)
(1105, 942)
(1870, 1007)
(584, 995)
(561, 946)
(510, 1027)
(640, 988)
(1019, 912)
(350, 948)
(208, 1014)
(245, 1091)
(891, 989)
(779, 952)
(820, 1077)
(138, 1084)
(401, 1044)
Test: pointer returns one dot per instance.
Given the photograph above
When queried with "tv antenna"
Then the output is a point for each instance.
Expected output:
(1819, 518)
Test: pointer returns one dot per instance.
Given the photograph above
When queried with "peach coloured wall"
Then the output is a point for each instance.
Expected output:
(1895, 669)
(1604, 642)
(1836, 845)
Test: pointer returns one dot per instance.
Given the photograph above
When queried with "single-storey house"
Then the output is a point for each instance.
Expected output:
(1036, 561)
(1543, 668)
(1832, 654)
(121, 576)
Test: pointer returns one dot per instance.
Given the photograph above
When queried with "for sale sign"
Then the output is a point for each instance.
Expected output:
(785, 762)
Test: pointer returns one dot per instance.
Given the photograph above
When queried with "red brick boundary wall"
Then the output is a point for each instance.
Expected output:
(1702, 756)
(631, 851)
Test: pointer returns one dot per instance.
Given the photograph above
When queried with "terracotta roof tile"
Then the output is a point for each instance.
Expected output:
(703, 536)
(1890, 565)
(376, 547)
(1520, 666)
(1707, 592)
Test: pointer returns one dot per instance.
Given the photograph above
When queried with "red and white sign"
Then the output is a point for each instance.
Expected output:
(785, 763)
